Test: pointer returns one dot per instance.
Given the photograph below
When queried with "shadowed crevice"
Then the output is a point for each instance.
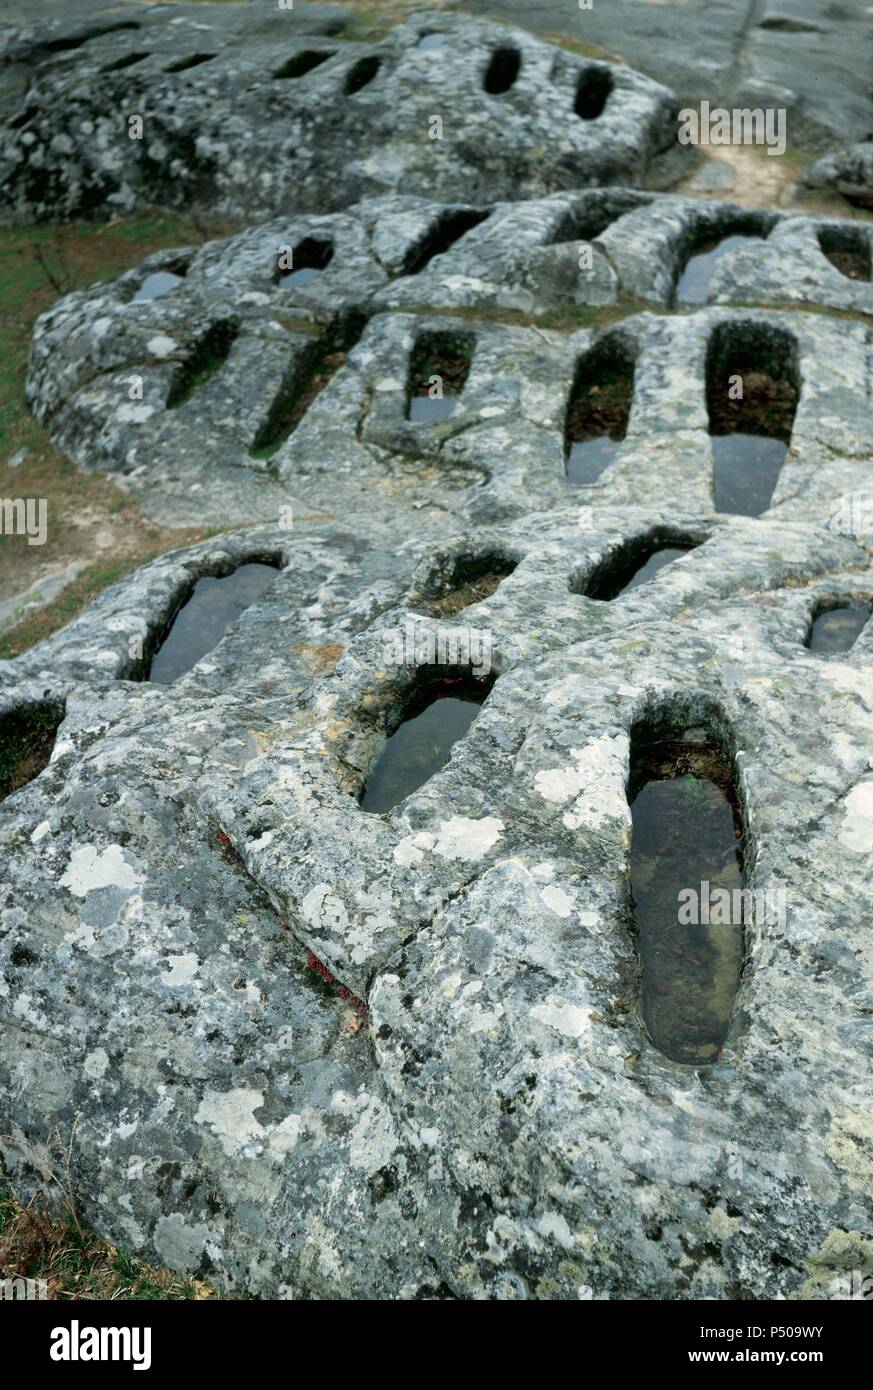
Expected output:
(502, 71)
(593, 90)
(635, 562)
(361, 74)
(27, 740)
(207, 357)
(301, 63)
(448, 228)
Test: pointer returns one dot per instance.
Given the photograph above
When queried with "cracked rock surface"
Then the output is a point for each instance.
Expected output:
(351, 119)
(501, 1123)
(109, 371)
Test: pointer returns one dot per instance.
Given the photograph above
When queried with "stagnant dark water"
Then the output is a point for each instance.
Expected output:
(655, 562)
(838, 629)
(159, 283)
(747, 468)
(420, 746)
(431, 407)
(588, 458)
(685, 833)
(203, 620)
(696, 278)
(304, 276)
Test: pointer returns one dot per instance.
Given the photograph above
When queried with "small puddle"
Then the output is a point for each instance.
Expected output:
(752, 396)
(155, 285)
(837, 629)
(204, 618)
(429, 409)
(588, 458)
(658, 560)
(304, 276)
(598, 410)
(747, 468)
(694, 282)
(27, 740)
(438, 371)
(421, 745)
(686, 841)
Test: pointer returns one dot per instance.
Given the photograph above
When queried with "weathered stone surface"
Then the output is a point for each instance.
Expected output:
(507, 432)
(105, 369)
(506, 1129)
(811, 57)
(358, 123)
(312, 1051)
(848, 171)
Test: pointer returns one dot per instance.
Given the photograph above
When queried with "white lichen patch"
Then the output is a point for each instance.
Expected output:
(161, 345)
(557, 901)
(95, 1064)
(284, 1136)
(373, 1140)
(566, 1018)
(181, 970)
(593, 779)
(90, 868)
(230, 1116)
(554, 1226)
(459, 838)
(323, 910)
(856, 831)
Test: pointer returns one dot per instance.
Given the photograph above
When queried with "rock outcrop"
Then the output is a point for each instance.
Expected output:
(312, 1051)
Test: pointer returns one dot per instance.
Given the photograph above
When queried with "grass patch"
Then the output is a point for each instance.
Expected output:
(76, 1263)
(580, 47)
(88, 514)
(569, 320)
(69, 603)
(595, 317)
(788, 307)
(369, 22)
(470, 592)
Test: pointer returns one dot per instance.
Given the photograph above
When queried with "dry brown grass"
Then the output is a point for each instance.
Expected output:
(90, 520)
